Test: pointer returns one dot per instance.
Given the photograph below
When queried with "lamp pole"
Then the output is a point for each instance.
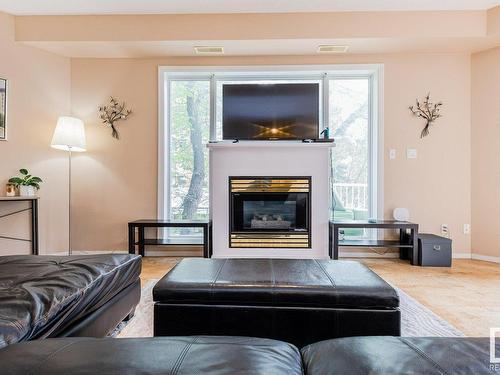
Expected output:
(69, 204)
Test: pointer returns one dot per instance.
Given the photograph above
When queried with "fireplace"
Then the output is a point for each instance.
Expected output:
(270, 212)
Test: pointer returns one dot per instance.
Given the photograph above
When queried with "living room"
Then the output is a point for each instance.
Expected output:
(299, 162)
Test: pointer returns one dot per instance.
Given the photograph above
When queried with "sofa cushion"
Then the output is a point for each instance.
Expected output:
(398, 355)
(275, 282)
(161, 355)
(42, 295)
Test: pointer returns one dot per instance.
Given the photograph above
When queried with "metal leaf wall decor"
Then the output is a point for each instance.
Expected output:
(427, 110)
(112, 113)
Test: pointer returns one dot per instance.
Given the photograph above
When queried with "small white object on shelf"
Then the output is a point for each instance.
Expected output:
(401, 214)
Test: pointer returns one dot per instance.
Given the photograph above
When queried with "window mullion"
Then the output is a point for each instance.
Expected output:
(213, 107)
(326, 103)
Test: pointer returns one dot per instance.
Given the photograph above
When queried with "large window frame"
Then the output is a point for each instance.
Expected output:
(323, 73)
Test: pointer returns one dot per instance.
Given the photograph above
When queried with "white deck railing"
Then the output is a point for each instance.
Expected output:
(352, 196)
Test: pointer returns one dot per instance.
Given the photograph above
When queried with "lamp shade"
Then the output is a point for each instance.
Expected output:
(69, 134)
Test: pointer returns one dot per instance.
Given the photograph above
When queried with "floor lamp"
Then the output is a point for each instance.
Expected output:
(69, 136)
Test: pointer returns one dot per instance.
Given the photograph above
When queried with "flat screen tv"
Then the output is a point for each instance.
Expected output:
(282, 111)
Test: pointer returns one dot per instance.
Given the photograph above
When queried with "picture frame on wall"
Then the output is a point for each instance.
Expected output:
(3, 109)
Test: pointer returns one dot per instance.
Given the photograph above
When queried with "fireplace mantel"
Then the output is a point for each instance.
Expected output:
(269, 158)
(270, 144)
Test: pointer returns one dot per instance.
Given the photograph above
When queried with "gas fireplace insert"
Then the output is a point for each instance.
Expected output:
(270, 212)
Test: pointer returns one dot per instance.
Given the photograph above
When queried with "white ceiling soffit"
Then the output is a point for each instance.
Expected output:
(146, 49)
(59, 7)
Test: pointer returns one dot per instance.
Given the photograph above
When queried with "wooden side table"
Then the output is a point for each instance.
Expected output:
(34, 220)
(141, 241)
(404, 244)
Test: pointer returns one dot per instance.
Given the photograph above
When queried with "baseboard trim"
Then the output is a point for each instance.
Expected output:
(390, 255)
(149, 253)
(96, 252)
(486, 258)
(461, 255)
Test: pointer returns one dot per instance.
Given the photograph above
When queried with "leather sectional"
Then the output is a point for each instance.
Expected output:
(59, 296)
(242, 355)
(300, 301)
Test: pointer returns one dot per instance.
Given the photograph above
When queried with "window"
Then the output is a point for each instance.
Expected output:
(191, 115)
(349, 122)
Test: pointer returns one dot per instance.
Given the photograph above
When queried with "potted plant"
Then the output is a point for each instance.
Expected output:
(26, 183)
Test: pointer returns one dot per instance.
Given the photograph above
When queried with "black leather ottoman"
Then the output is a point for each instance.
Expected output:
(298, 301)
(162, 355)
(399, 355)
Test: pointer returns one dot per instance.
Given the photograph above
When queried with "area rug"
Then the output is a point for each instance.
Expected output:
(416, 319)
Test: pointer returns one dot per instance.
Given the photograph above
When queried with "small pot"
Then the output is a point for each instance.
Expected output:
(26, 191)
(10, 190)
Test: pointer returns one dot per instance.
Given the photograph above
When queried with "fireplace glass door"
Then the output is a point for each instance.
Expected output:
(270, 212)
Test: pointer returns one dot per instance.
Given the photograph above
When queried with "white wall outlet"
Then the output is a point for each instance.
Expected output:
(411, 153)
(466, 228)
(444, 230)
(392, 154)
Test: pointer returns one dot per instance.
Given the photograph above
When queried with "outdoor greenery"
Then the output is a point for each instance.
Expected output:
(26, 179)
(3, 101)
(2, 126)
(349, 123)
(189, 133)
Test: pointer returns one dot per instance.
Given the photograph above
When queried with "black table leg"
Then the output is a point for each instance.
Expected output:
(403, 252)
(335, 242)
(205, 242)
(131, 239)
(414, 242)
(141, 240)
(330, 241)
(34, 227)
(210, 241)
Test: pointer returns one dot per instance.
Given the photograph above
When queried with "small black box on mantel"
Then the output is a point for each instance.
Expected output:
(434, 251)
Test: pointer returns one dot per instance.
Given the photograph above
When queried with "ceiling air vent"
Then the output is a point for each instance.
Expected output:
(208, 50)
(332, 49)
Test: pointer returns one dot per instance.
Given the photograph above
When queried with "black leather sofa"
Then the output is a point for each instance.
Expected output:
(243, 355)
(300, 301)
(59, 296)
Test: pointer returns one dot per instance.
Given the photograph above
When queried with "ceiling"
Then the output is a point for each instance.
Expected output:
(59, 7)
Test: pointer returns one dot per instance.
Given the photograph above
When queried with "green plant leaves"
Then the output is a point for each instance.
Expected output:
(26, 179)
(16, 180)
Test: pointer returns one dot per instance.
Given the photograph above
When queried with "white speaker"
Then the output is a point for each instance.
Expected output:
(401, 214)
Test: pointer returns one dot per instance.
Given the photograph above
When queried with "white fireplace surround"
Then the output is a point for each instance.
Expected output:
(269, 158)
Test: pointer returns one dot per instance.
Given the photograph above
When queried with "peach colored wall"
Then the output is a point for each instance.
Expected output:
(116, 180)
(493, 21)
(248, 26)
(39, 91)
(485, 153)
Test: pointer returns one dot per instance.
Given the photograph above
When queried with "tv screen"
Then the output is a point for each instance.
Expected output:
(270, 111)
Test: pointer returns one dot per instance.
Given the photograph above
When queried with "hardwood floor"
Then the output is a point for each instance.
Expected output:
(467, 295)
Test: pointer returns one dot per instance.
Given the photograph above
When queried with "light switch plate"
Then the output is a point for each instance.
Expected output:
(411, 153)
(392, 154)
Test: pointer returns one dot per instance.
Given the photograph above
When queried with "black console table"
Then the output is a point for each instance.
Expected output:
(407, 243)
(34, 220)
(141, 241)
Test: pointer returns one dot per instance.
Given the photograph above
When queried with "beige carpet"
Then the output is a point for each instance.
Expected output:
(416, 319)
(141, 325)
